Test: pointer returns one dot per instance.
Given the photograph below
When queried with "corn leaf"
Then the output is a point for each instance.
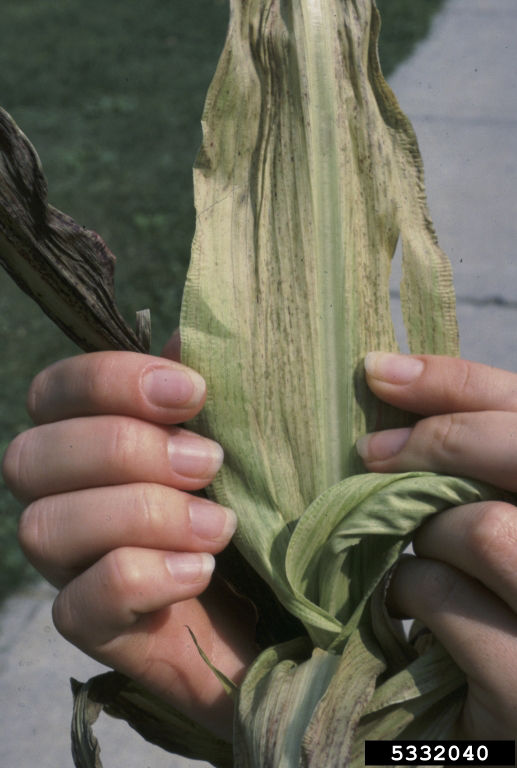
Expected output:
(155, 720)
(308, 176)
(67, 269)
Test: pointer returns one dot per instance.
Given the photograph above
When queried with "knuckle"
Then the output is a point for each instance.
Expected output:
(151, 509)
(104, 386)
(123, 437)
(462, 377)
(122, 575)
(492, 537)
(446, 437)
(100, 373)
(166, 671)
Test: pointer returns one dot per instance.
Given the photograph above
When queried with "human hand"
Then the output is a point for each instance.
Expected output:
(113, 524)
(462, 584)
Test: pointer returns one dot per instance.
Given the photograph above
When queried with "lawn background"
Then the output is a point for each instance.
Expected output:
(111, 94)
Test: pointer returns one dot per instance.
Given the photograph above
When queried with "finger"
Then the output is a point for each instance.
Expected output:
(107, 450)
(125, 383)
(479, 539)
(432, 384)
(110, 597)
(479, 445)
(477, 629)
(65, 534)
(156, 649)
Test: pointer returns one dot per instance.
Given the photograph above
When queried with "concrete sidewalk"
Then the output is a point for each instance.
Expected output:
(460, 90)
(35, 707)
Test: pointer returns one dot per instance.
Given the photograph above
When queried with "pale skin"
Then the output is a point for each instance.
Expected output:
(111, 521)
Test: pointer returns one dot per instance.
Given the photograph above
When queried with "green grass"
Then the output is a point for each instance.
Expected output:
(111, 94)
(404, 24)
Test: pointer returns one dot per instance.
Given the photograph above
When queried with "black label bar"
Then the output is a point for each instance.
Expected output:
(433, 753)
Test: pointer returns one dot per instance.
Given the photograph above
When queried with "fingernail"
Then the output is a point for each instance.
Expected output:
(169, 387)
(211, 521)
(394, 369)
(194, 456)
(190, 567)
(379, 446)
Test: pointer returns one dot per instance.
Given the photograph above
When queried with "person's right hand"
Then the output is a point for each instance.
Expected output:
(112, 522)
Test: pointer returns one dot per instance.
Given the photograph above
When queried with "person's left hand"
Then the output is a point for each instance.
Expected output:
(462, 584)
